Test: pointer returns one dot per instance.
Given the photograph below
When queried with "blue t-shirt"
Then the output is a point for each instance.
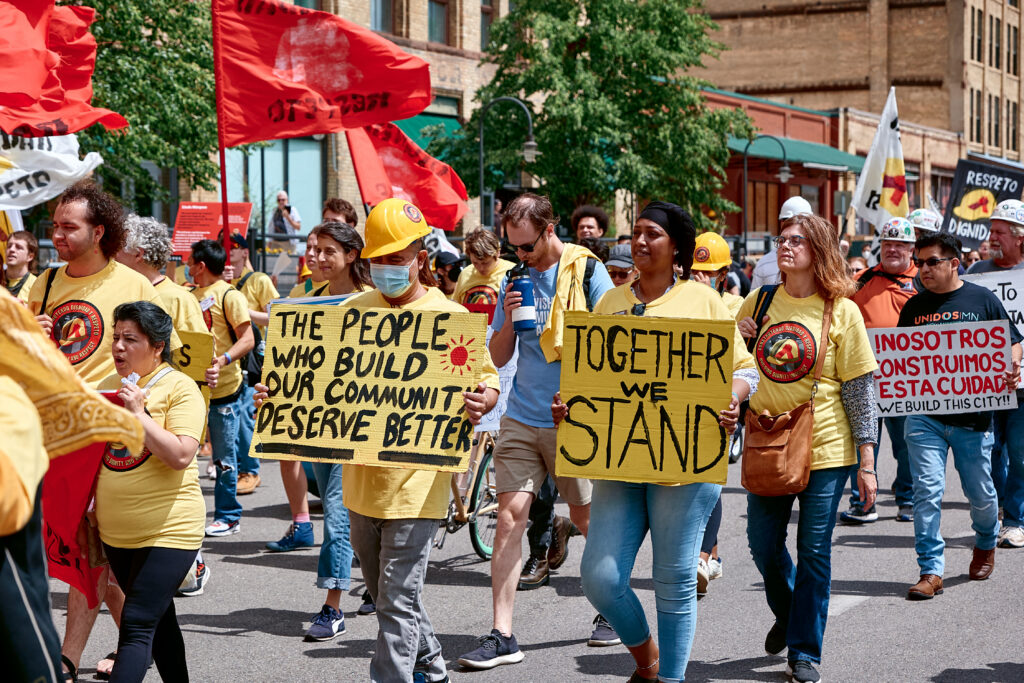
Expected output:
(537, 380)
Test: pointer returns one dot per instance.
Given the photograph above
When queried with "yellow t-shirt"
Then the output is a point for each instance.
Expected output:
(686, 299)
(23, 460)
(785, 355)
(393, 493)
(259, 291)
(474, 288)
(82, 309)
(733, 303)
(305, 289)
(25, 286)
(213, 299)
(140, 501)
(182, 306)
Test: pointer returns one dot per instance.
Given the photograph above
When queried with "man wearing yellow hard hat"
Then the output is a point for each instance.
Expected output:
(394, 512)
(711, 263)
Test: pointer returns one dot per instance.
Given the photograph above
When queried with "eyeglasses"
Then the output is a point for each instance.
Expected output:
(931, 262)
(792, 241)
(620, 274)
(526, 248)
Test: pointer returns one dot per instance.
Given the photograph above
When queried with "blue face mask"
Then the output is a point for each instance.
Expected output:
(188, 274)
(392, 281)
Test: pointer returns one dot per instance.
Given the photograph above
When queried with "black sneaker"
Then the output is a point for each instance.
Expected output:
(368, 606)
(491, 651)
(775, 641)
(603, 635)
(802, 671)
(858, 515)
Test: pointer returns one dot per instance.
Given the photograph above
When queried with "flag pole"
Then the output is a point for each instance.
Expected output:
(218, 95)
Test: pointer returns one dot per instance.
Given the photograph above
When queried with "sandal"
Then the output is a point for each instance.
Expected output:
(72, 673)
(102, 675)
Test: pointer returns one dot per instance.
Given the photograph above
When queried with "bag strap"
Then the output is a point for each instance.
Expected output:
(245, 278)
(158, 376)
(51, 273)
(764, 302)
(819, 364)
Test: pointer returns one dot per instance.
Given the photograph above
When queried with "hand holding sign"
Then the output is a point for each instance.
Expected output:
(479, 402)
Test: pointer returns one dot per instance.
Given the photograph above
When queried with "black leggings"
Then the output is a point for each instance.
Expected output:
(149, 578)
(711, 532)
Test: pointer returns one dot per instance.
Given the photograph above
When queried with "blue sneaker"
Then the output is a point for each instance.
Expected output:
(420, 677)
(492, 650)
(327, 625)
(299, 535)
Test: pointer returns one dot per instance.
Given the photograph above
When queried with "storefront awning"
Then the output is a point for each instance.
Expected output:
(414, 125)
(810, 154)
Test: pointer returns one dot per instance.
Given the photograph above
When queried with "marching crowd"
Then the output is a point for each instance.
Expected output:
(117, 309)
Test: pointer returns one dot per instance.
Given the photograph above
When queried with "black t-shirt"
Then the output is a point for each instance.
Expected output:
(970, 303)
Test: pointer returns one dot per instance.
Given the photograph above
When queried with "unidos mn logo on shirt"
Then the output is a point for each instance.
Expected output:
(786, 352)
(77, 329)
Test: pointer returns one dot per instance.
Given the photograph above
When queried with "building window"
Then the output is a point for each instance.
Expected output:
(1012, 55)
(437, 21)
(763, 212)
(998, 35)
(486, 17)
(942, 188)
(970, 118)
(1011, 125)
(382, 16)
(991, 27)
(989, 120)
(979, 54)
(308, 4)
(912, 174)
(977, 116)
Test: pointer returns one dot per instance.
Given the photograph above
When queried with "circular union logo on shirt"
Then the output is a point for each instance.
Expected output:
(481, 294)
(117, 458)
(786, 352)
(77, 329)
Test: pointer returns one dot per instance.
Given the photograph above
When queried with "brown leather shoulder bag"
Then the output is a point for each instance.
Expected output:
(777, 448)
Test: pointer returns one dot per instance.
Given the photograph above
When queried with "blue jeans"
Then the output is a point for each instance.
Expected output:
(246, 463)
(334, 570)
(227, 440)
(929, 440)
(903, 484)
(1008, 455)
(621, 514)
(798, 595)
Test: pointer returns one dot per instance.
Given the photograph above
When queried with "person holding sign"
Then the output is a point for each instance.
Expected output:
(929, 437)
(149, 507)
(676, 515)
(557, 278)
(788, 341)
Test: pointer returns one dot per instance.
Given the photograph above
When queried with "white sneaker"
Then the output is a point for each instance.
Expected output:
(221, 528)
(1011, 537)
(703, 576)
(714, 568)
(195, 581)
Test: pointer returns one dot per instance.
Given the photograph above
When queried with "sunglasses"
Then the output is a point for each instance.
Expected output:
(931, 262)
(792, 241)
(525, 248)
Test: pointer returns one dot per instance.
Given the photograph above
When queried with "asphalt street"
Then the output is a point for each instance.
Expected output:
(249, 624)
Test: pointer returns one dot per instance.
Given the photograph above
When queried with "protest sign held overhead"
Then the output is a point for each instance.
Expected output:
(1008, 286)
(369, 386)
(643, 397)
(35, 170)
(204, 221)
(942, 369)
(285, 71)
(977, 190)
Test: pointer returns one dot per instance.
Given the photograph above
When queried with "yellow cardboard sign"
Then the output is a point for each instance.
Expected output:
(369, 386)
(644, 396)
(192, 358)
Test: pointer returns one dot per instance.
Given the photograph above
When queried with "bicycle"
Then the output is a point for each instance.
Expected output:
(481, 513)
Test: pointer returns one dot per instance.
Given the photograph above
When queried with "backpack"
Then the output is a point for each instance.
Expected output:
(252, 364)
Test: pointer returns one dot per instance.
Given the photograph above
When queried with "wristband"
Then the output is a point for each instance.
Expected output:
(867, 471)
(736, 396)
(228, 356)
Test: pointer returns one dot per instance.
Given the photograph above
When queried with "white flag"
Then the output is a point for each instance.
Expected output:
(35, 170)
(881, 191)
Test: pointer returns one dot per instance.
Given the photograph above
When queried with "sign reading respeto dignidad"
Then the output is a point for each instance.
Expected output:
(369, 386)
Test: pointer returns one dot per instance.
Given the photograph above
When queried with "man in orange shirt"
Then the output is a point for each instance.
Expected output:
(883, 291)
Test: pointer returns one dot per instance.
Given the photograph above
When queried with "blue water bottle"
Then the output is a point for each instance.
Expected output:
(525, 317)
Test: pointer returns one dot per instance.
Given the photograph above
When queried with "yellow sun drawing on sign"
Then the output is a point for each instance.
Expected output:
(458, 356)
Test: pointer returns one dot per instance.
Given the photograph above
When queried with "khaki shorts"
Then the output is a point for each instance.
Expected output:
(523, 458)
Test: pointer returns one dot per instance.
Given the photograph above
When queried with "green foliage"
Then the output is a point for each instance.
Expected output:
(154, 66)
(613, 105)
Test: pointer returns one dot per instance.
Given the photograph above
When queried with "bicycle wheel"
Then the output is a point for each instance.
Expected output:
(483, 506)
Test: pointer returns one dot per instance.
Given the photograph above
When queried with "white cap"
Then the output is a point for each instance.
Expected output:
(1010, 210)
(794, 206)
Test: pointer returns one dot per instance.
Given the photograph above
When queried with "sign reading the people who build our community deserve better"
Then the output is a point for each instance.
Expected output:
(643, 397)
(369, 386)
(942, 369)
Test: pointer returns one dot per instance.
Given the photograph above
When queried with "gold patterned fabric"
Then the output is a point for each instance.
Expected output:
(72, 414)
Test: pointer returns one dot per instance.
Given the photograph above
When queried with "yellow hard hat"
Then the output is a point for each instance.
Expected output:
(391, 226)
(711, 252)
(306, 272)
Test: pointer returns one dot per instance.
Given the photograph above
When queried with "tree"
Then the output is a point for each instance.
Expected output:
(154, 66)
(614, 105)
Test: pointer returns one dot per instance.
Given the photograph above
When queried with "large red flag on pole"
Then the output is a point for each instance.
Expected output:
(59, 104)
(389, 164)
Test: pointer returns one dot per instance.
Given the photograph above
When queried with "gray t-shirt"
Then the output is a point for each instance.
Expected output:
(989, 266)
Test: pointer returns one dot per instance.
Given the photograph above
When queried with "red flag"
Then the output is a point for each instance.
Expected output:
(67, 489)
(389, 164)
(284, 71)
(24, 60)
(63, 104)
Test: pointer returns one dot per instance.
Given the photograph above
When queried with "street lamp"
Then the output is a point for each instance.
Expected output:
(784, 175)
(530, 151)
